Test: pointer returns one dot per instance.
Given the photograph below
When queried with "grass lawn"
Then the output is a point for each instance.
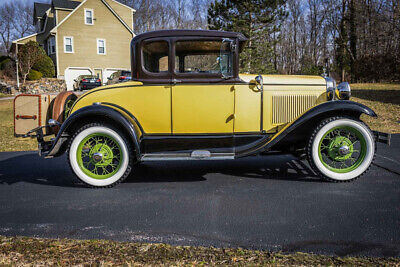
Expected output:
(384, 99)
(4, 95)
(44, 252)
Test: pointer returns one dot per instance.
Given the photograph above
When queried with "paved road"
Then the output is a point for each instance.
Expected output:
(269, 202)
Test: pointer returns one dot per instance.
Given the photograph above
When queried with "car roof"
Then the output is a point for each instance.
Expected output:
(181, 33)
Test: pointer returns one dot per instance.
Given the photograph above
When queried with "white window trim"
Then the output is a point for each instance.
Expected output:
(98, 47)
(65, 45)
(91, 10)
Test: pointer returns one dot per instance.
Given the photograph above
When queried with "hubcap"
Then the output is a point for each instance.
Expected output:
(342, 149)
(99, 156)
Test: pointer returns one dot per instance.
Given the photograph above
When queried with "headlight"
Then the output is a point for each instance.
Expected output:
(344, 91)
(330, 88)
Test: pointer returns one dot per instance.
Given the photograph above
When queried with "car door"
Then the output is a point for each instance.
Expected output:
(202, 102)
(202, 109)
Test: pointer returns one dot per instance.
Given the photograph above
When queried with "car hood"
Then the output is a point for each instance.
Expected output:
(285, 79)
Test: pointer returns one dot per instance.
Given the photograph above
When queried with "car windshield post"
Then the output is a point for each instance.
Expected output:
(225, 58)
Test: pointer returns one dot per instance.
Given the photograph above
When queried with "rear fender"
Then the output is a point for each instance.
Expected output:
(99, 112)
(309, 118)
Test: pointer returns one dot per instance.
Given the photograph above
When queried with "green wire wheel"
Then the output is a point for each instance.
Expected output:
(100, 155)
(341, 149)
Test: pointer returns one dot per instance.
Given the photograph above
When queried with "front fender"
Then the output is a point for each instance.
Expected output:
(324, 110)
(104, 112)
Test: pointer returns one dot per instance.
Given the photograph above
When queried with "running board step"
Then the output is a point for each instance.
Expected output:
(195, 155)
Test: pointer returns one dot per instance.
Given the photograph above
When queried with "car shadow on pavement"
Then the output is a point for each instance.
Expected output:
(30, 168)
(283, 167)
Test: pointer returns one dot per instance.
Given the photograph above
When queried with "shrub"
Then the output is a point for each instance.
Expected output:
(9, 68)
(3, 62)
(34, 75)
(45, 65)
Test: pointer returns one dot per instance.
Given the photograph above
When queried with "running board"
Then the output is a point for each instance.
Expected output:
(195, 155)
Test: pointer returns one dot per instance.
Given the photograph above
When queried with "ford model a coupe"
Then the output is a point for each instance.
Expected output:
(187, 101)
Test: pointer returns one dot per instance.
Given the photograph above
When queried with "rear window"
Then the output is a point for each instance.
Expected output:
(87, 76)
(155, 56)
(125, 73)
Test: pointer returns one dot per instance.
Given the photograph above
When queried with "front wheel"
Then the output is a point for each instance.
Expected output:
(100, 156)
(341, 149)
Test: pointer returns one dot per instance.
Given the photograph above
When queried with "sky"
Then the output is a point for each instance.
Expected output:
(25, 1)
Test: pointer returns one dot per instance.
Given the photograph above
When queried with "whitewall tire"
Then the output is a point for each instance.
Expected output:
(341, 149)
(99, 155)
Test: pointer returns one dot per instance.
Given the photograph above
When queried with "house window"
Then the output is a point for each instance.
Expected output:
(51, 48)
(88, 16)
(68, 44)
(101, 46)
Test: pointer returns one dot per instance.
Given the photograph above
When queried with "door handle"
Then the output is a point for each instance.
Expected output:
(26, 117)
(175, 81)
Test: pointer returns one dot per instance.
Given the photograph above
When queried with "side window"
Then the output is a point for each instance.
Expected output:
(88, 16)
(203, 57)
(155, 56)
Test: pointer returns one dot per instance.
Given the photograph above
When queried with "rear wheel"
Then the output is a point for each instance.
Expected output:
(100, 156)
(341, 149)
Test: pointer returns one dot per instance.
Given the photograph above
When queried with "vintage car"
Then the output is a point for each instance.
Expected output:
(187, 101)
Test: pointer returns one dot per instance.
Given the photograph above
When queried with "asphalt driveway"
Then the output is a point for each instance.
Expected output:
(268, 202)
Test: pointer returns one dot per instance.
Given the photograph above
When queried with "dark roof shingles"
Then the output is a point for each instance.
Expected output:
(68, 4)
(40, 9)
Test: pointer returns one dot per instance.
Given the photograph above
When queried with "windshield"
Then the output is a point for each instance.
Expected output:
(212, 57)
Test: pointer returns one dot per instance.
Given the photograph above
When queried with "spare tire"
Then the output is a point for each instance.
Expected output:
(61, 107)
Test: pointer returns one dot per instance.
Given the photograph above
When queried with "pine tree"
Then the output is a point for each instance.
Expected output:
(258, 20)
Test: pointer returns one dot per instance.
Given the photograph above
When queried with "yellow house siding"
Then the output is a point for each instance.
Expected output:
(61, 14)
(125, 13)
(106, 26)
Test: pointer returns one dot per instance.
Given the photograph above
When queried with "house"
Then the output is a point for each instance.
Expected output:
(83, 36)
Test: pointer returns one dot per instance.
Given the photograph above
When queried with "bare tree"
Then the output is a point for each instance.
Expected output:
(7, 16)
(22, 22)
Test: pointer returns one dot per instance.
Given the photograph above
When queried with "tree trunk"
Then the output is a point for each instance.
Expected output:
(353, 40)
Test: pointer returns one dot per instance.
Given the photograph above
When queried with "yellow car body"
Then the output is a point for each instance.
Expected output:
(213, 108)
(187, 101)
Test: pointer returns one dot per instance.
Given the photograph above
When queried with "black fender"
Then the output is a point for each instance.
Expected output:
(324, 110)
(103, 111)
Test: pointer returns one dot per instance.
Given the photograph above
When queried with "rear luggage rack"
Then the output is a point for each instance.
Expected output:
(382, 137)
